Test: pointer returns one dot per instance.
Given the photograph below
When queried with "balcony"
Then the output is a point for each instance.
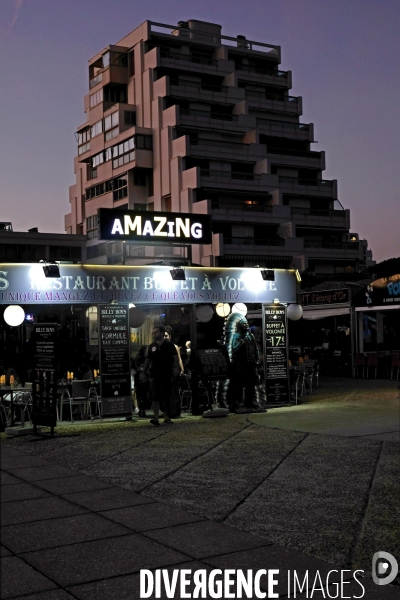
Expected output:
(331, 245)
(206, 92)
(322, 187)
(248, 241)
(259, 101)
(296, 131)
(321, 218)
(224, 150)
(303, 159)
(265, 76)
(96, 80)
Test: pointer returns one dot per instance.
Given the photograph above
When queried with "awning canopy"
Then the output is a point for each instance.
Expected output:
(322, 313)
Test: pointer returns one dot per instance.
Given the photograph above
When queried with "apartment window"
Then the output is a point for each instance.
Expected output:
(95, 251)
(120, 185)
(97, 160)
(140, 207)
(107, 186)
(91, 172)
(131, 64)
(65, 253)
(83, 140)
(92, 227)
(115, 93)
(123, 153)
(139, 177)
(111, 126)
(130, 117)
(96, 129)
(96, 98)
(144, 142)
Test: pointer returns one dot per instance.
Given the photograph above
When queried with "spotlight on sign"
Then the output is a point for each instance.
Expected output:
(268, 274)
(178, 274)
(14, 315)
(51, 271)
(240, 308)
(222, 309)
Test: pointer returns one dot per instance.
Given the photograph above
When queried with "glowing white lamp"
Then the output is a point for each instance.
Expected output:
(14, 315)
(222, 309)
(204, 313)
(294, 312)
(240, 308)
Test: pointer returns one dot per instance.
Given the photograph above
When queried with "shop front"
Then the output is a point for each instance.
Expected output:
(189, 300)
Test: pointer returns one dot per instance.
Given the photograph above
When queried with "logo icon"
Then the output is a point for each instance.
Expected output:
(384, 568)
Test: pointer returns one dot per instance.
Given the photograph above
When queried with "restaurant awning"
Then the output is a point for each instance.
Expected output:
(322, 313)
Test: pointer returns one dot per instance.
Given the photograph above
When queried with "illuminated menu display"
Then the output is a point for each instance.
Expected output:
(276, 354)
(44, 389)
(115, 374)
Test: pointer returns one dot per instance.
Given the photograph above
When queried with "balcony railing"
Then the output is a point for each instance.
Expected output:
(318, 213)
(259, 208)
(287, 125)
(197, 59)
(230, 175)
(262, 71)
(194, 112)
(95, 80)
(331, 245)
(249, 241)
(196, 86)
(289, 152)
(309, 182)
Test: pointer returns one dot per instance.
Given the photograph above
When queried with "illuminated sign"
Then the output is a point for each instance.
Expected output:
(154, 227)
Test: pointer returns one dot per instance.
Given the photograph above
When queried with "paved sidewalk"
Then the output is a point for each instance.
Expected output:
(82, 515)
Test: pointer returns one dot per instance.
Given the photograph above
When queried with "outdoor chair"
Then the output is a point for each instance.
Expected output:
(359, 363)
(79, 396)
(185, 392)
(372, 363)
(395, 364)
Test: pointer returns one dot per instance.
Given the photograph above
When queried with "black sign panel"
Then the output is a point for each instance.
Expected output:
(276, 354)
(384, 291)
(154, 227)
(115, 375)
(44, 389)
(326, 297)
(213, 363)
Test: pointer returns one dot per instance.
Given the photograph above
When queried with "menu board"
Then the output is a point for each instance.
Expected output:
(115, 375)
(276, 353)
(213, 363)
(44, 388)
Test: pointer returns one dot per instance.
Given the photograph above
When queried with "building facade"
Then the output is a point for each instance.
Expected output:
(185, 119)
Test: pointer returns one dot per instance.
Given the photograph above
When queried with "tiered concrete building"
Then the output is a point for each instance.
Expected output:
(185, 119)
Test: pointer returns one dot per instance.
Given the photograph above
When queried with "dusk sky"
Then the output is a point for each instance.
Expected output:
(344, 55)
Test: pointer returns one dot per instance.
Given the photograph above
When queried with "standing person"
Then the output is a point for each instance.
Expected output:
(175, 399)
(141, 382)
(161, 365)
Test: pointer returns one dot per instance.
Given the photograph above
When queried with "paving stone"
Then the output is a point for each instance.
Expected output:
(9, 452)
(23, 491)
(25, 511)
(146, 517)
(69, 485)
(107, 499)
(90, 561)
(40, 473)
(128, 586)
(275, 557)
(22, 461)
(7, 479)
(4, 552)
(28, 537)
(214, 484)
(206, 538)
(18, 578)
(52, 595)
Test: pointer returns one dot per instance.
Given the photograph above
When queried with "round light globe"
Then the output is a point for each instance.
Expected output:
(204, 313)
(222, 309)
(136, 317)
(294, 312)
(14, 315)
(240, 308)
